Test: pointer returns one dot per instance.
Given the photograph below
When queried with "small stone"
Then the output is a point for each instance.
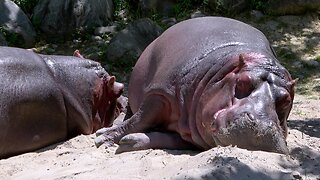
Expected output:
(257, 15)
(316, 88)
(197, 14)
(297, 64)
(96, 38)
(107, 29)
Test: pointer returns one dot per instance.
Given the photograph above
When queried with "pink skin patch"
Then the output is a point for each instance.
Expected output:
(241, 89)
(77, 54)
(218, 112)
(216, 122)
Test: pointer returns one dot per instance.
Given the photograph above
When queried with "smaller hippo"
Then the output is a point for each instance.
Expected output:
(206, 82)
(46, 99)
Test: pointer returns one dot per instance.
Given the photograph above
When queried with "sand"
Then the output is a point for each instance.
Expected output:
(78, 158)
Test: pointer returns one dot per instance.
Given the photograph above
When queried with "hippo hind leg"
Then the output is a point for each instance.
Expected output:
(150, 114)
(155, 140)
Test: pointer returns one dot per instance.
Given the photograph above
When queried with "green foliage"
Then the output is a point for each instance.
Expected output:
(120, 6)
(182, 8)
(26, 5)
(13, 39)
(206, 2)
(258, 4)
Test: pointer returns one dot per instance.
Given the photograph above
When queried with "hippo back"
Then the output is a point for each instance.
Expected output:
(184, 54)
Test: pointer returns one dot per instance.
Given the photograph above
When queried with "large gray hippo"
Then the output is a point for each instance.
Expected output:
(203, 83)
(46, 99)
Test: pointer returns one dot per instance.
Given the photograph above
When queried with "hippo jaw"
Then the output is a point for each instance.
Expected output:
(249, 133)
(105, 101)
(254, 121)
(251, 108)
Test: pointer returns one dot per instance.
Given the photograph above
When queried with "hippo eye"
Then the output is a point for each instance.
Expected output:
(283, 100)
(283, 106)
(244, 87)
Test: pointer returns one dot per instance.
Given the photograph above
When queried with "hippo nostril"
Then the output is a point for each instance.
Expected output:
(228, 123)
(214, 126)
(249, 115)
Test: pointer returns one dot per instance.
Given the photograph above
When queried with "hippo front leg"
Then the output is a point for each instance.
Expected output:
(153, 140)
(150, 114)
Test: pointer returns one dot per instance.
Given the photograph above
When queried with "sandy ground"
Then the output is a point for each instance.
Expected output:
(78, 158)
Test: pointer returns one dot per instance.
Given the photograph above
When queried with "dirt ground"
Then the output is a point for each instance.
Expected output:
(78, 158)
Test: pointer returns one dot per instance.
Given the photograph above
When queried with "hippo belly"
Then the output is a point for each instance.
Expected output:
(206, 82)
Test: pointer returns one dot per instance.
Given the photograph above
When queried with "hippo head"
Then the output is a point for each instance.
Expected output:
(251, 105)
(106, 101)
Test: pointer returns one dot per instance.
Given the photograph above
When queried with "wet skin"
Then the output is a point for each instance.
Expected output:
(206, 82)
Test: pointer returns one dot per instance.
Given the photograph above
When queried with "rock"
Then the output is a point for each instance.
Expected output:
(169, 21)
(18, 28)
(292, 7)
(3, 41)
(273, 25)
(316, 88)
(128, 44)
(164, 8)
(60, 17)
(228, 6)
(312, 63)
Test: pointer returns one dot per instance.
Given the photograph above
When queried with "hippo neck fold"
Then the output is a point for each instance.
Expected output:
(208, 67)
(208, 84)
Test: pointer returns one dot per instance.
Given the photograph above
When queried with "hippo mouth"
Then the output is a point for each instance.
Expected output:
(249, 133)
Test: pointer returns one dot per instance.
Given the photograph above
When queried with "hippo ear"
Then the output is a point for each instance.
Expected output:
(292, 83)
(111, 81)
(241, 60)
(77, 54)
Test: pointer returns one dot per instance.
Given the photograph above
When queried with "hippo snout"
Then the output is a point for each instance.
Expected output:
(250, 132)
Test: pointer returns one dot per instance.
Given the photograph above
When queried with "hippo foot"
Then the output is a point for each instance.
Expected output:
(107, 136)
(101, 131)
(153, 140)
(134, 142)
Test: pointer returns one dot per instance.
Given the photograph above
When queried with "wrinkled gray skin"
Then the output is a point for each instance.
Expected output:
(47, 99)
(206, 82)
